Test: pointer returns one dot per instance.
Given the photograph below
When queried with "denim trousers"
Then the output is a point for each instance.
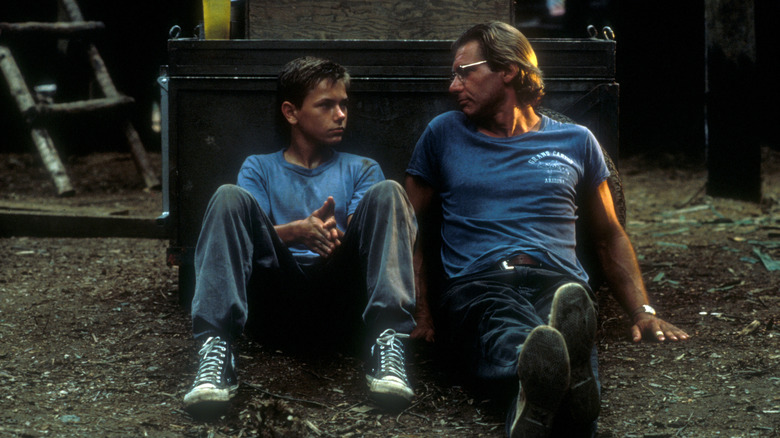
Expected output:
(484, 320)
(242, 266)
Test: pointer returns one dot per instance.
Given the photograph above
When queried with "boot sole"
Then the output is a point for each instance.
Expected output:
(543, 370)
(574, 315)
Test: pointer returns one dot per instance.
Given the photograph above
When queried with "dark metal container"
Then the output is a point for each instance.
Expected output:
(239, 19)
(219, 107)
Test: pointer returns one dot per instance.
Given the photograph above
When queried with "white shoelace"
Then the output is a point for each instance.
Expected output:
(212, 356)
(391, 354)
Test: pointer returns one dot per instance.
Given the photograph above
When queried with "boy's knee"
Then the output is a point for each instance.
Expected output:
(228, 195)
(228, 190)
(386, 190)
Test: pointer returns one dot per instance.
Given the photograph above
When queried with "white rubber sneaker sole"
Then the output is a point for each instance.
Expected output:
(209, 394)
(390, 392)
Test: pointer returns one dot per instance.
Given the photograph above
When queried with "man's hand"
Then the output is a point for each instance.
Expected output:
(621, 269)
(424, 329)
(649, 327)
(319, 231)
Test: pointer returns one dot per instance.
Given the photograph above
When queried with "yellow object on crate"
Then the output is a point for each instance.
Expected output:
(216, 19)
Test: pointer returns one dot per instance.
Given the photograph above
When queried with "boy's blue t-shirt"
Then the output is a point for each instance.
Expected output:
(505, 196)
(287, 192)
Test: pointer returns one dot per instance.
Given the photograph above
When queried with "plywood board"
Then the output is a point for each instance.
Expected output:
(373, 20)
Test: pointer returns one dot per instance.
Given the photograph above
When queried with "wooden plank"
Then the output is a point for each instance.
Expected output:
(65, 30)
(48, 224)
(372, 19)
(61, 209)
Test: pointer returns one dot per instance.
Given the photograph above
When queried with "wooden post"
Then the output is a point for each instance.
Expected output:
(733, 148)
(71, 30)
(45, 110)
(51, 160)
(19, 90)
(140, 158)
(41, 138)
(72, 11)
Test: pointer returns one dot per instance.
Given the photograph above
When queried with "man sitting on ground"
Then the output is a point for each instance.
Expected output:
(309, 239)
(510, 184)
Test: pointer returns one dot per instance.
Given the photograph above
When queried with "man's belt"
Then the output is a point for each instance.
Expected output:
(519, 260)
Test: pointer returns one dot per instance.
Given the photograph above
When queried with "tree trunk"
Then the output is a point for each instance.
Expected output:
(732, 135)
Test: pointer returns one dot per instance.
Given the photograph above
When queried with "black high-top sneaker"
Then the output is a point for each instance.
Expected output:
(216, 382)
(386, 377)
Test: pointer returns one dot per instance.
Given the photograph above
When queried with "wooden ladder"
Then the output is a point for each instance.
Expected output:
(37, 112)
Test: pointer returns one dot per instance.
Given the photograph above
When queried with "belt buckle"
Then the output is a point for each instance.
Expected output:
(505, 266)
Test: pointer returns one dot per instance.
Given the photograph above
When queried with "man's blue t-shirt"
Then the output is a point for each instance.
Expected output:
(505, 196)
(287, 192)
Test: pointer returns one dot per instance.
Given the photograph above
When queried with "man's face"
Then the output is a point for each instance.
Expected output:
(322, 117)
(478, 90)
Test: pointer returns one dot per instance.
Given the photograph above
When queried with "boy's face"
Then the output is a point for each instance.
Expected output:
(322, 117)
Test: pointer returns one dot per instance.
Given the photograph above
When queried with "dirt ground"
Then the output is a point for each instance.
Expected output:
(94, 342)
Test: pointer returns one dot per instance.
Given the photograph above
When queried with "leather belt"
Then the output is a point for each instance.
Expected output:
(519, 260)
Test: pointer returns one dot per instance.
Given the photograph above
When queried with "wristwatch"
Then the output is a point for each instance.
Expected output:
(646, 308)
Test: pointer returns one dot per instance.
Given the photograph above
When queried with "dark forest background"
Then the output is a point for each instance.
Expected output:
(660, 66)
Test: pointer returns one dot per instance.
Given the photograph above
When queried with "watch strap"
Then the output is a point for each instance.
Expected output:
(645, 308)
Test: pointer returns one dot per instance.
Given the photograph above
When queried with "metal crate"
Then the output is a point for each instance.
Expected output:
(219, 107)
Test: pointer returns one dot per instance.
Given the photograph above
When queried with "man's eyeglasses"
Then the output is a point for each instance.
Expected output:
(462, 71)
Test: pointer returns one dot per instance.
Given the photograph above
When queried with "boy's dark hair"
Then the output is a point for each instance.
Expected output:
(502, 45)
(299, 76)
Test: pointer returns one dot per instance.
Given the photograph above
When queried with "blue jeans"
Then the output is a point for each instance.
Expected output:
(241, 265)
(484, 319)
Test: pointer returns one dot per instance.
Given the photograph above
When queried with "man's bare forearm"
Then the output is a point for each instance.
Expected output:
(621, 270)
